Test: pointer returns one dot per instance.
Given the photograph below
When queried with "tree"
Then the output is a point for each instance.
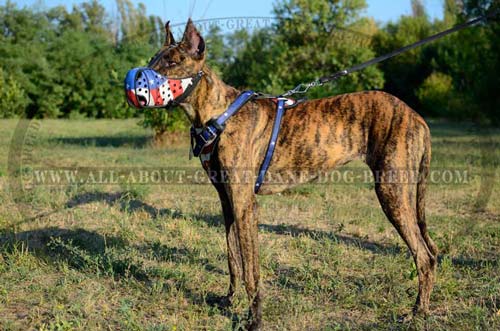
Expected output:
(279, 58)
(452, 9)
(482, 65)
(418, 8)
(63, 63)
(405, 73)
(220, 52)
(69, 62)
(13, 99)
(94, 17)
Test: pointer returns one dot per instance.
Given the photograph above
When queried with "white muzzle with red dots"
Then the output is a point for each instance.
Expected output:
(146, 88)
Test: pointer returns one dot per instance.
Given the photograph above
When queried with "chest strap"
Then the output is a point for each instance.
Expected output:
(200, 139)
(203, 140)
(272, 143)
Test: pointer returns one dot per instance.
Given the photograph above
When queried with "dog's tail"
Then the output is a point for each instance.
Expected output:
(421, 188)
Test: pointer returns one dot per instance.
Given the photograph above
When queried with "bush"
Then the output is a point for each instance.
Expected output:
(435, 94)
(13, 99)
(164, 122)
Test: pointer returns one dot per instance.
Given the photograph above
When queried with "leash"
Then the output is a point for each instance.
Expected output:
(304, 87)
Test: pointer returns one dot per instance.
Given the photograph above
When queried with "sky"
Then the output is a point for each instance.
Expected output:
(179, 10)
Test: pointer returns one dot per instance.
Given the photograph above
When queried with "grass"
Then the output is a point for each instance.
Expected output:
(153, 257)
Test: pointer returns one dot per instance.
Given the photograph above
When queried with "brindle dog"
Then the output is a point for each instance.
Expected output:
(318, 134)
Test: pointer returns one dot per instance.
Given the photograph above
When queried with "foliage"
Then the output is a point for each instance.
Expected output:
(13, 99)
(163, 121)
(405, 73)
(469, 57)
(475, 65)
(434, 93)
(288, 54)
(70, 63)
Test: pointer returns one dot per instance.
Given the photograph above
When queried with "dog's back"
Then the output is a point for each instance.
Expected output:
(322, 134)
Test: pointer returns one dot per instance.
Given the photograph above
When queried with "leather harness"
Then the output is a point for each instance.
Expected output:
(204, 140)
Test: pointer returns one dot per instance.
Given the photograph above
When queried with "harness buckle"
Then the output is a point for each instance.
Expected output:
(213, 123)
(202, 139)
(212, 134)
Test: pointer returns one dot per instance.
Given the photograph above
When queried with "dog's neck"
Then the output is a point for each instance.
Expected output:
(209, 99)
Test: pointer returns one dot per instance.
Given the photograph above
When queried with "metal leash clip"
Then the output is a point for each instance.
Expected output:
(302, 88)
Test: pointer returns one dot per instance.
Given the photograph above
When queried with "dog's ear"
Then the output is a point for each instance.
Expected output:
(169, 39)
(192, 41)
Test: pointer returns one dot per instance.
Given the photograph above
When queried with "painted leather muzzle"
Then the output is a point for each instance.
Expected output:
(146, 88)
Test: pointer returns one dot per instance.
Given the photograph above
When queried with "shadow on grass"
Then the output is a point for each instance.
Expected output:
(81, 249)
(365, 244)
(127, 204)
(103, 141)
(377, 248)
(360, 243)
(112, 256)
(471, 263)
(133, 205)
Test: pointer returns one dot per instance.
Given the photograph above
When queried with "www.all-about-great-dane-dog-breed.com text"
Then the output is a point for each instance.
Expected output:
(232, 131)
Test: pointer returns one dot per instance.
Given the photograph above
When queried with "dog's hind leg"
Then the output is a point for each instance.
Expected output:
(398, 153)
(396, 202)
(421, 188)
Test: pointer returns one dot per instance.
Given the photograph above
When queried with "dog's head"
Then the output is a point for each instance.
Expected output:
(180, 59)
(172, 73)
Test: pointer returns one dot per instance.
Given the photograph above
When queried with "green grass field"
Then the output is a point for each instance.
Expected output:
(153, 257)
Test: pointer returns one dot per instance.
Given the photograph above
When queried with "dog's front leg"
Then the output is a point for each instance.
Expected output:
(233, 247)
(244, 208)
